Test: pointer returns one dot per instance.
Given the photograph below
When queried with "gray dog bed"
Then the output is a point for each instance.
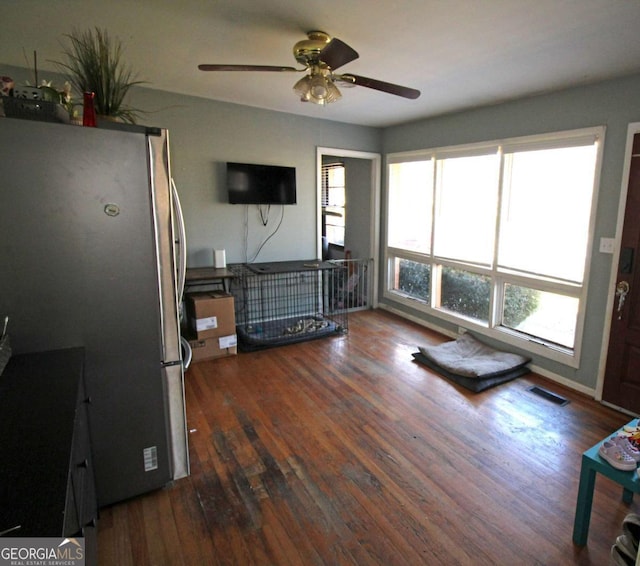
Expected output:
(471, 363)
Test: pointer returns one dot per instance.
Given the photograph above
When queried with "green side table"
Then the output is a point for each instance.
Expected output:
(592, 463)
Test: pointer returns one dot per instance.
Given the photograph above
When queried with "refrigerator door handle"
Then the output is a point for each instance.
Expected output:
(165, 225)
(181, 241)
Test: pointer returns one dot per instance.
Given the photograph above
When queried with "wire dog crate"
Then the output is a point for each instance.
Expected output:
(284, 302)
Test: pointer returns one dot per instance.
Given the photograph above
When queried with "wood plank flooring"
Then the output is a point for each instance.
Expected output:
(344, 451)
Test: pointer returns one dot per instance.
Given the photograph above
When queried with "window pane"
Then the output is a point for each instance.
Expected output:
(546, 210)
(334, 203)
(410, 205)
(465, 293)
(542, 314)
(336, 176)
(335, 234)
(334, 217)
(412, 279)
(336, 197)
(467, 208)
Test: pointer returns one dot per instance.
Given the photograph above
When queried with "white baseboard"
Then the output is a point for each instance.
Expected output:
(589, 391)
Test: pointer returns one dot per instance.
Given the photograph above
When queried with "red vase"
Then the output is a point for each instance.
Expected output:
(89, 110)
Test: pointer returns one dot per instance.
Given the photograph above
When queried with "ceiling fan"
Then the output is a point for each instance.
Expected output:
(321, 55)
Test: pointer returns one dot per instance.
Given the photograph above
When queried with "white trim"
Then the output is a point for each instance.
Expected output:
(569, 383)
(374, 226)
(584, 136)
(581, 136)
(556, 354)
(626, 412)
(591, 247)
(633, 128)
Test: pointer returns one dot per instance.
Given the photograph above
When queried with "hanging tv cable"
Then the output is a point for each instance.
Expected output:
(269, 236)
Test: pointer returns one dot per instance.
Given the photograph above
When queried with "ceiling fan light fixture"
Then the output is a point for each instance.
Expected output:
(303, 89)
(317, 88)
(334, 92)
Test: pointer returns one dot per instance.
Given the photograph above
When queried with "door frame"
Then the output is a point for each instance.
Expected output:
(374, 225)
(632, 130)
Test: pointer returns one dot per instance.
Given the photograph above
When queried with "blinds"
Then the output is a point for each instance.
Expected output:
(326, 180)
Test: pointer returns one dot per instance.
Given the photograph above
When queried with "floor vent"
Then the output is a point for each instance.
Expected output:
(548, 395)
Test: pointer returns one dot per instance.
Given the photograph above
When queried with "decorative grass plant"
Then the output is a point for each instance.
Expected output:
(94, 64)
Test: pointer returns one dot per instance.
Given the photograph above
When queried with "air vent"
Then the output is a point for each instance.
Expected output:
(548, 395)
(150, 458)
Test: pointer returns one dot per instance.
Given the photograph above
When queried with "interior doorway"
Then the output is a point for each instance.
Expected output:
(620, 367)
(361, 208)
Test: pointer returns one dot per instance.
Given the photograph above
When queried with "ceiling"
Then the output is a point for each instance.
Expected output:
(459, 53)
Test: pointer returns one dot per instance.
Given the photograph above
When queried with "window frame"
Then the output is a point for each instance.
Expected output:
(499, 276)
(330, 209)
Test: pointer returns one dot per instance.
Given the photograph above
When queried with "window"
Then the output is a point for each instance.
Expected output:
(496, 235)
(549, 189)
(410, 205)
(465, 216)
(333, 203)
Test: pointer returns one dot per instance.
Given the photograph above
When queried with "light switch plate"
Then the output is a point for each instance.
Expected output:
(607, 245)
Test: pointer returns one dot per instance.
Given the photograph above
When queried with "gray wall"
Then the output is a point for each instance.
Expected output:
(614, 104)
(359, 209)
(205, 134)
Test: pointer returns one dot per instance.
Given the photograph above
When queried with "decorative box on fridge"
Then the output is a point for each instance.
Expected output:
(29, 109)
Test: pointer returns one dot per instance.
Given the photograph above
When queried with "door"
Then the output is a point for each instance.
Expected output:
(362, 230)
(621, 385)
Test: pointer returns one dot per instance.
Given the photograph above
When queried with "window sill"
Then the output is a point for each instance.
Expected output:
(533, 347)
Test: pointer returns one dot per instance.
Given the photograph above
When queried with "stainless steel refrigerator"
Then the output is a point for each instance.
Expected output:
(91, 253)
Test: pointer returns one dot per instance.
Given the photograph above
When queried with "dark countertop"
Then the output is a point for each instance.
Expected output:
(195, 274)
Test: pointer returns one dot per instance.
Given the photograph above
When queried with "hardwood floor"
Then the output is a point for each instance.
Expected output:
(344, 451)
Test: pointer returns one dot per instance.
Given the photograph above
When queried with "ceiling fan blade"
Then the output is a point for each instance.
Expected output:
(245, 68)
(337, 53)
(398, 90)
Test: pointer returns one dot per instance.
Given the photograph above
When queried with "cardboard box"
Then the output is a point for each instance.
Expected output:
(211, 348)
(211, 314)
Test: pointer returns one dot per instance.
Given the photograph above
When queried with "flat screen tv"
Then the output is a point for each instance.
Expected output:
(249, 183)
